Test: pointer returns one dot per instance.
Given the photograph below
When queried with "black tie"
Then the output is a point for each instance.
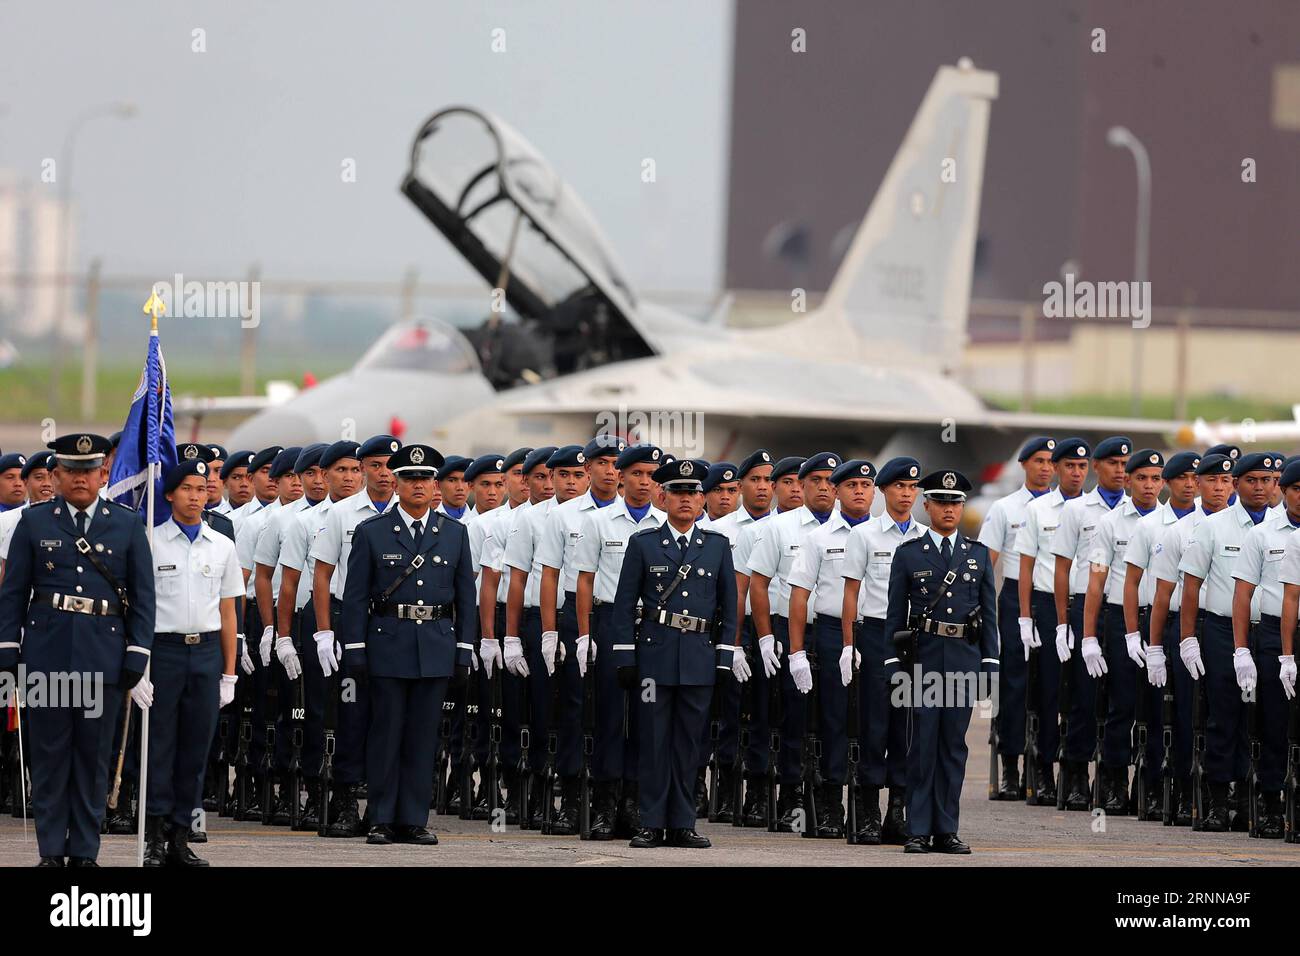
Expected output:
(81, 524)
(947, 550)
(417, 530)
(681, 544)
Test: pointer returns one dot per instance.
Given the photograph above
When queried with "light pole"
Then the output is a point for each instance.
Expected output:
(121, 111)
(1121, 138)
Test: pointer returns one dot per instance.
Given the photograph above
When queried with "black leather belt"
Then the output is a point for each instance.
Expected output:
(167, 637)
(412, 612)
(682, 622)
(75, 603)
(943, 628)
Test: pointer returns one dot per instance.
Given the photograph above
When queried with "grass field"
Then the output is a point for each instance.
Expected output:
(1210, 407)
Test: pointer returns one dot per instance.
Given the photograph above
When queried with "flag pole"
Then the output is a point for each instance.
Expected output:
(153, 307)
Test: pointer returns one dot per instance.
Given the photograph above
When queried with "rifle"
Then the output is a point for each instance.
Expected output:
(523, 769)
(1064, 687)
(243, 770)
(549, 767)
(1198, 755)
(853, 721)
(1031, 728)
(442, 758)
(492, 770)
(468, 740)
(327, 755)
(1139, 788)
(773, 748)
(222, 762)
(1167, 760)
(738, 766)
(812, 753)
(1099, 714)
(588, 742)
(297, 718)
(1252, 779)
(715, 739)
(267, 767)
(1291, 832)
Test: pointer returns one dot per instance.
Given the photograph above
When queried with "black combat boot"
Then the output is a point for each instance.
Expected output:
(155, 841)
(512, 797)
(309, 819)
(1010, 789)
(1239, 807)
(628, 823)
(604, 810)
(868, 811)
(1080, 795)
(178, 849)
(1217, 816)
(1183, 811)
(346, 818)
(483, 804)
(453, 792)
(830, 825)
(1271, 817)
(701, 795)
(725, 784)
(122, 819)
(252, 809)
(789, 800)
(755, 790)
(280, 812)
(540, 794)
(210, 789)
(564, 822)
(895, 829)
(1046, 784)
(1115, 793)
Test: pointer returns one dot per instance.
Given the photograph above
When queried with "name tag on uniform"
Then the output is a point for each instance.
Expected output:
(613, 544)
(1121, 544)
(921, 574)
(390, 557)
(52, 543)
(882, 554)
(830, 551)
(658, 567)
(166, 567)
(575, 534)
(350, 531)
(1017, 524)
(1091, 527)
(1049, 528)
(1230, 550)
(1274, 554)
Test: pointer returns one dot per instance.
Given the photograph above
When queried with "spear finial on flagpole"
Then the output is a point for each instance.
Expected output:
(154, 308)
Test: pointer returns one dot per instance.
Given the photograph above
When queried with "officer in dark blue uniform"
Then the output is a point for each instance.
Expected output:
(409, 613)
(941, 589)
(77, 598)
(684, 578)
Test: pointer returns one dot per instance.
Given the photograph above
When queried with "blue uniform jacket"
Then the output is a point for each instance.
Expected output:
(916, 579)
(669, 655)
(43, 556)
(382, 548)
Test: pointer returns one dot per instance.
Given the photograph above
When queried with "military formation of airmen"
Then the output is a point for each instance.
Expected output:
(606, 641)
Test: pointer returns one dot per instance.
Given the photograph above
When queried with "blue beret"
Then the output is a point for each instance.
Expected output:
(538, 457)
(853, 468)
(338, 451)
(484, 465)
(685, 474)
(635, 454)
(1112, 447)
(1035, 445)
(80, 452)
(787, 466)
(12, 460)
(1144, 458)
(945, 486)
(218, 452)
(453, 465)
(756, 458)
(1075, 449)
(1228, 451)
(902, 468)
(310, 457)
(720, 473)
(1214, 465)
(1289, 461)
(1180, 464)
(415, 461)
(179, 472)
(1291, 473)
(240, 459)
(603, 445)
(39, 460)
(566, 456)
(516, 457)
(1256, 461)
(379, 445)
(263, 458)
(822, 461)
(283, 462)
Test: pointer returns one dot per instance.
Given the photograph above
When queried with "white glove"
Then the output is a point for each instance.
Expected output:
(1093, 659)
(142, 693)
(584, 647)
(1156, 673)
(1190, 651)
(740, 665)
(771, 654)
(264, 646)
(489, 649)
(1287, 674)
(245, 661)
(849, 659)
(226, 691)
(325, 642)
(473, 661)
(1028, 634)
(1136, 652)
(800, 671)
(550, 643)
(1244, 665)
(1064, 642)
(287, 656)
(514, 657)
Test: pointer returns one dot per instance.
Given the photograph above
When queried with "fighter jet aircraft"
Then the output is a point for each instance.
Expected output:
(569, 348)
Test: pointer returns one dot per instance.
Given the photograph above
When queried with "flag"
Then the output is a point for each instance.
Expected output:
(148, 437)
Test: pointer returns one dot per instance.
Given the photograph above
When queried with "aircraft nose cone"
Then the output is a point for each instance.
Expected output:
(275, 426)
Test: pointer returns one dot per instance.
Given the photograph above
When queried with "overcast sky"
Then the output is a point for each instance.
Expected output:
(235, 153)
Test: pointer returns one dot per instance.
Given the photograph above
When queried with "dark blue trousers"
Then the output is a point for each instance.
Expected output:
(794, 717)
(401, 747)
(832, 700)
(1049, 676)
(1184, 692)
(1226, 745)
(186, 680)
(757, 752)
(1082, 738)
(884, 726)
(669, 726)
(353, 730)
(1013, 679)
(313, 693)
(1271, 701)
(618, 740)
(936, 753)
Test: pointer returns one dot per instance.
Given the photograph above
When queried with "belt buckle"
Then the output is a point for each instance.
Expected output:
(419, 612)
(82, 605)
(951, 630)
(192, 638)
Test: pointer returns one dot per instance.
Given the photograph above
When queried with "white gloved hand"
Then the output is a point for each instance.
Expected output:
(142, 693)
(288, 657)
(1244, 665)
(245, 660)
(1136, 652)
(551, 645)
(226, 692)
(1190, 651)
(264, 645)
(740, 665)
(489, 649)
(1064, 642)
(585, 646)
(1028, 634)
(514, 657)
(849, 659)
(1156, 672)
(325, 645)
(1093, 659)
(1287, 674)
(771, 654)
(800, 671)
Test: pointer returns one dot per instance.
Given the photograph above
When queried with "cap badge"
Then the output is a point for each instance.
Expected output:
(912, 471)
(392, 446)
(1051, 443)
(726, 475)
(417, 456)
(191, 452)
(686, 468)
(766, 456)
(949, 480)
(83, 444)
